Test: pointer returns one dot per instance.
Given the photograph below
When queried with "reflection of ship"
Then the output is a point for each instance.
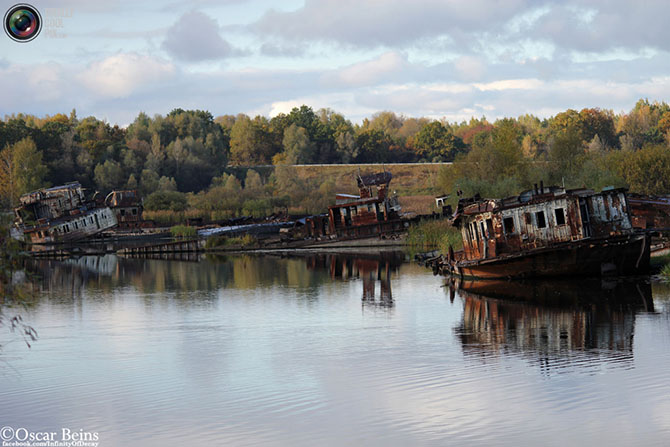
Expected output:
(552, 320)
(72, 274)
(369, 268)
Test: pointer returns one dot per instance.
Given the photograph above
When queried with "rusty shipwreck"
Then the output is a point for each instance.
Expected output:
(61, 214)
(547, 232)
(374, 215)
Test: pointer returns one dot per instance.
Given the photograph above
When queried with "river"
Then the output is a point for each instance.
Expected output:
(335, 350)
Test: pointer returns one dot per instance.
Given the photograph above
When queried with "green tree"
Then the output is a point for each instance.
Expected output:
(109, 175)
(251, 141)
(166, 200)
(167, 184)
(298, 149)
(21, 170)
(435, 142)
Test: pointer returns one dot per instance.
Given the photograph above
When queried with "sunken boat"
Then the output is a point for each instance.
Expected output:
(61, 214)
(548, 232)
(373, 215)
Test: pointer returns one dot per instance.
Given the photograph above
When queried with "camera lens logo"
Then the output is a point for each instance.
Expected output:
(22, 22)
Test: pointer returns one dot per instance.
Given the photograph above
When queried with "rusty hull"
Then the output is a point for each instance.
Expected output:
(549, 231)
(619, 255)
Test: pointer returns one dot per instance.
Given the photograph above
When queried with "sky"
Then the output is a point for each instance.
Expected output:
(443, 59)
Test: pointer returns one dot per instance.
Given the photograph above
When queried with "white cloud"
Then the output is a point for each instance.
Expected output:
(511, 84)
(123, 74)
(470, 67)
(364, 73)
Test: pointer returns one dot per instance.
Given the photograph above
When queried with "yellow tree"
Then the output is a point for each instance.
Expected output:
(21, 170)
(7, 183)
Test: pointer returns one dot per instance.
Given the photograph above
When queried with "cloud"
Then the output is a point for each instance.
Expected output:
(276, 50)
(478, 31)
(122, 74)
(470, 67)
(598, 26)
(379, 69)
(370, 23)
(195, 37)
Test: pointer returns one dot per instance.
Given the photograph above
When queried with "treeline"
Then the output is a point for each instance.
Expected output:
(591, 148)
(183, 161)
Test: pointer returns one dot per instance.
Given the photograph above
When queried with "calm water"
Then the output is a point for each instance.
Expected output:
(328, 350)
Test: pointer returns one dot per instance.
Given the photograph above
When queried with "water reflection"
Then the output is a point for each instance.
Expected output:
(555, 323)
(371, 268)
(306, 272)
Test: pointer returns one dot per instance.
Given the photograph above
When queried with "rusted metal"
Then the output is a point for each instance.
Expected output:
(127, 207)
(650, 212)
(548, 231)
(61, 213)
(372, 213)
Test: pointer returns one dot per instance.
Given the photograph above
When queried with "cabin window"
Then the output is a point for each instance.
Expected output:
(474, 230)
(134, 211)
(508, 223)
(489, 227)
(527, 218)
(76, 226)
(484, 235)
(123, 212)
(560, 216)
(539, 218)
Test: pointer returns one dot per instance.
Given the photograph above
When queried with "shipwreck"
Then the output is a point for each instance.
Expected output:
(547, 232)
(61, 214)
(372, 214)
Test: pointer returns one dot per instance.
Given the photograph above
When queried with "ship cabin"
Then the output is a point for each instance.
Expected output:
(60, 213)
(127, 207)
(372, 212)
(50, 203)
(539, 218)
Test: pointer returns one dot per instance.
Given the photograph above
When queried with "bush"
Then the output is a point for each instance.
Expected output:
(183, 231)
(223, 241)
(432, 234)
(166, 200)
(665, 271)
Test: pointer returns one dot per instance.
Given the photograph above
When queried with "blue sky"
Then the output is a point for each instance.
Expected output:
(436, 58)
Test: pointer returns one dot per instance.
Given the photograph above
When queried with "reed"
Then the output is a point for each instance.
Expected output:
(434, 234)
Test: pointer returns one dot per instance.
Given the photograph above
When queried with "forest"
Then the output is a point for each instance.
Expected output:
(189, 162)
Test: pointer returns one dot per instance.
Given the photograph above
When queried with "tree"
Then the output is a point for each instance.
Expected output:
(251, 141)
(435, 142)
(21, 170)
(132, 182)
(373, 146)
(166, 200)
(109, 175)
(298, 149)
(253, 182)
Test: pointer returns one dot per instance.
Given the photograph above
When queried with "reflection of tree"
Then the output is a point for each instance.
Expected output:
(70, 277)
(16, 289)
(68, 280)
(552, 320)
